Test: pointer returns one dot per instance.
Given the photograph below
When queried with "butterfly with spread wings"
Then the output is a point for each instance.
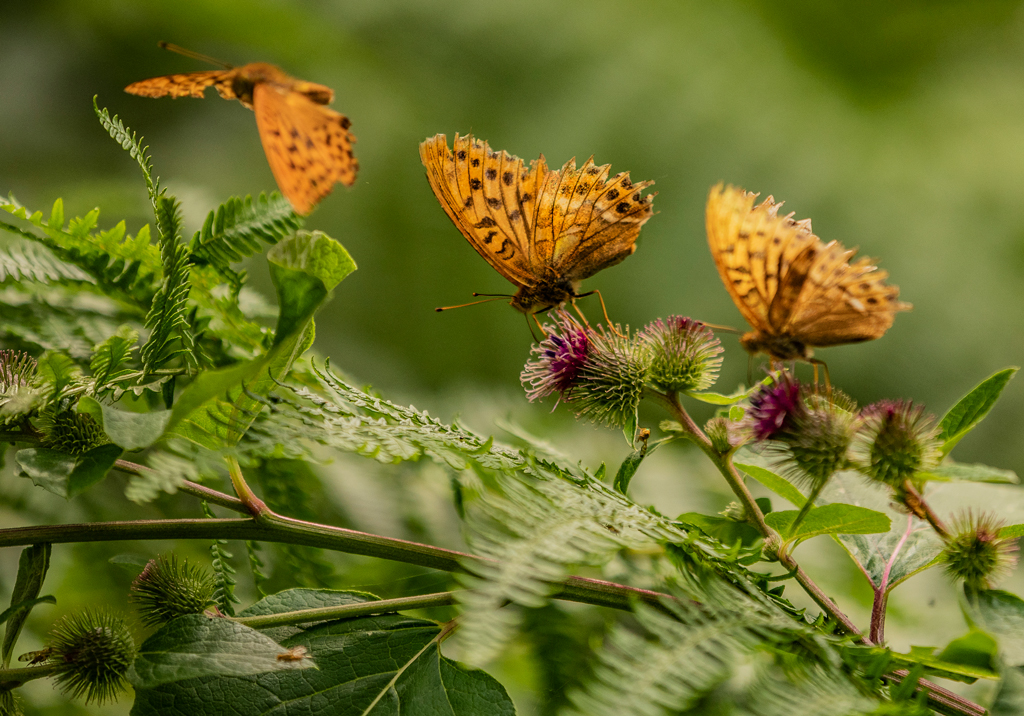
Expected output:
(543, 230)
(795, 291)
(308, 145)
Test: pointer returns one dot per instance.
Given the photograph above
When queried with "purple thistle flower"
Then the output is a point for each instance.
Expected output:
(774, 408)
(557, 359)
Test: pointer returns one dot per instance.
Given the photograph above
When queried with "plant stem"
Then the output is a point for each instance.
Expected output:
(347, 611)
(276, 528)
(188, 487)
(808, 506)
(916, 502)
(255, 506)
(11, 678)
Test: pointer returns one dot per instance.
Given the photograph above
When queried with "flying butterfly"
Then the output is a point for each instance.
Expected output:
(308, 145)
(543, 230)
(795, 291)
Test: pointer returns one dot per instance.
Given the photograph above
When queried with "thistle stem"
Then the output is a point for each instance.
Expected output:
(808, 505)
(188, 487)
(347, 611)
(12, 678)
(916, 502)
(255, 506)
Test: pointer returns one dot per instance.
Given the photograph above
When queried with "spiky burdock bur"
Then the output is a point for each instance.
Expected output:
(16, 370)
(70, 432)
(610, 382)
(976, 554)
(810, 428)
(685, 355)
(94, 649)
(166, 589)
(895, 439)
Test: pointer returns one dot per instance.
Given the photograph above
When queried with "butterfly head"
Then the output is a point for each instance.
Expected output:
(779, 347)
(248, 76)
(544, 295)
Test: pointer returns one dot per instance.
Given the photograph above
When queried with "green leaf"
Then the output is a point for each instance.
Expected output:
(736, 413)
(128, 141)
(218, 407)
(63, 474)
(32, 566)
(774, 482)
(630, 426)
(1001, 614)
(630, 465)
(968, 658)
(835, 519)
(372, 666)
(1010, 698)
(132, 431)
(951, 471)
(1012, 531)
(27, 604)
(110, 355)
(197, 645)
(721, 528)
(57, 373)
(972, 408)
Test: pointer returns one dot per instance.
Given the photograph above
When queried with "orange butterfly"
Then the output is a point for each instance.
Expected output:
(795, 291)
(543, 230)
(308, 145)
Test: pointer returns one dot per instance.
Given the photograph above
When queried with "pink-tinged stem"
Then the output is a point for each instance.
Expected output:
(878, 607)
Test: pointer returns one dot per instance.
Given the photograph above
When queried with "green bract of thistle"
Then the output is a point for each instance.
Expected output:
(976, 554)
(70, 432)
(94, 649)
(685, 355)
(610, 383)
(895, 439)
(167, 589)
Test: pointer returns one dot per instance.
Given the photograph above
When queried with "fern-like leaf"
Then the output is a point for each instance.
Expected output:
(170, 331)
(238, 228)
(223, 573)
(121, 265)
(110, 356)
(133, 145)
(27, 261)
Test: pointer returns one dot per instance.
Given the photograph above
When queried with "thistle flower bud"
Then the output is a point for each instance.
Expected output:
(685, 355)
(895, 440)
(93, 650)
(558, 359)
(610, 383)
(166, 589)
(71, 432)
(976, 554)
(721, 436)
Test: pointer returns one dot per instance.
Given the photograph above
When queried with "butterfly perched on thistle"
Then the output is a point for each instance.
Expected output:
(543, 230)
(795, 291)
(308, 145)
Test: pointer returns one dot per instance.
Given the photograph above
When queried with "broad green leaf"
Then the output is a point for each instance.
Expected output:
(293, 600)
(720, 399)
(776, 483)
(369, 666)
(27, 605)
(132, 431)
(1012, 531)
(630, 426)
(67, 475)
(1010, 697)
(32, 566)
(972, 408)
(196, 645)
(835, 519)
(726, 531)
(917, 543)
(951, 471)
(629, 467)
(1001, 614)
(217, 408)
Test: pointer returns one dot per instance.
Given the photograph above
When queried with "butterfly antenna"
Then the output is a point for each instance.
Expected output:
(497, 295)
(471, 303)
(194, 55)
(723, 329)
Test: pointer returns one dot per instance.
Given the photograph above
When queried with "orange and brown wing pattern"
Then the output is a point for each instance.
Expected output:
(587, 222)
(786, 281)
(308, 146)
(490, 198)
(188, 84)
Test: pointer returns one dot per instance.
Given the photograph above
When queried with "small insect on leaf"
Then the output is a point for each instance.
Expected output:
(296, 653)
(308, 145)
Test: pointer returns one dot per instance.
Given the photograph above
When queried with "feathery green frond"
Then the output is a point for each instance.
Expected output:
(109, 357)
(53, 319)
(237, 228)
(223, 573)
(28, 261)
(170, 331)
(121, 265)
(128, 141)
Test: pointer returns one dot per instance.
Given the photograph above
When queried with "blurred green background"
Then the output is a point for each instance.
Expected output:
(898, 127)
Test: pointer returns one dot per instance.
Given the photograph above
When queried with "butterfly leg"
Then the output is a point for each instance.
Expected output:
(604, 310)
(824, 369)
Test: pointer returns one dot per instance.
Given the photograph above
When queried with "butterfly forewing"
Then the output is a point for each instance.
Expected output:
(188, 84)
(794, 290)
(543, 230)
(308, 145)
